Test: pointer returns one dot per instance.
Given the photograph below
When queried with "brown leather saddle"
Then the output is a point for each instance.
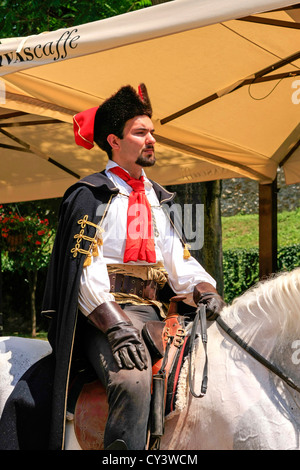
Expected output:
(168, 342)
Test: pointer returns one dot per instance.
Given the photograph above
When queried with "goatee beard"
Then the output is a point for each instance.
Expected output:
(145, 161)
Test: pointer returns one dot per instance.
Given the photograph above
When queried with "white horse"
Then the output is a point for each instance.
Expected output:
(246, 406)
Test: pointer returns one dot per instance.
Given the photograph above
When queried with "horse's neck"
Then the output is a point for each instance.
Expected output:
(263, 335)
(288, 398)
(257, 331)
(286, 357)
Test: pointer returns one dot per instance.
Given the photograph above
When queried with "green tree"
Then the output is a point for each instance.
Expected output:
(19, 18)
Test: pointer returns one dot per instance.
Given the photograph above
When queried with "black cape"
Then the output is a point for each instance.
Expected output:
(34, 414)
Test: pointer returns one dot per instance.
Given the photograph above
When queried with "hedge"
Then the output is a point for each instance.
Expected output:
(241, 268)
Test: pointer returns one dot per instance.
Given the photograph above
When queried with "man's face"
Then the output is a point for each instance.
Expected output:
(137, 144)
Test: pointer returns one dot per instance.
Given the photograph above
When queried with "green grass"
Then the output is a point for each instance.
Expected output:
(241, 231)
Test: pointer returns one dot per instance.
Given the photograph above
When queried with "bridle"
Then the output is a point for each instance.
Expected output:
(200, 318)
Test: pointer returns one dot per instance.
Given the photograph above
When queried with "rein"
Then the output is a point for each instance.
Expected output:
(256, 355)
(200, 317)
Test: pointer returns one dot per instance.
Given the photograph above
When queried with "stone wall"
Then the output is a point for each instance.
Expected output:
(240, 195)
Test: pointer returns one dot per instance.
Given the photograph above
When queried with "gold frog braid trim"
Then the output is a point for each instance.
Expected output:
(94, 241)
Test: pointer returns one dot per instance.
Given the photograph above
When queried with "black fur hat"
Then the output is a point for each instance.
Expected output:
(112, 115)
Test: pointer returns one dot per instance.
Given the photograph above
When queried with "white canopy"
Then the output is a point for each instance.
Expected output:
(221, 75)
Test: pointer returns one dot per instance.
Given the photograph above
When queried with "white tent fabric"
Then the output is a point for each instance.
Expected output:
(199, 60)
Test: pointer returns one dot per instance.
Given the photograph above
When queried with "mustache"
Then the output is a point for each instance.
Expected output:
(149, 147)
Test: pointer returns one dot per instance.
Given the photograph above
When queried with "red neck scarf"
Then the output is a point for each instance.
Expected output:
(140, 240)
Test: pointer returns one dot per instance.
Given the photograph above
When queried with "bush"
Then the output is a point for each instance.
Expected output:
(241, 268)
(25, 240)
(288, 258)
(25, 246)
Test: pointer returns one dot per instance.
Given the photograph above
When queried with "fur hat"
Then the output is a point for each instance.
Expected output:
(112, 115)
(96, 124)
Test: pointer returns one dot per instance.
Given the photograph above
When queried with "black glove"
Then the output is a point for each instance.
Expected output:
(127, 347)
(205, 293)
(125, 340)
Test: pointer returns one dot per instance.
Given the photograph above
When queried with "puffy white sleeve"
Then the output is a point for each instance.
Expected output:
(94, 285)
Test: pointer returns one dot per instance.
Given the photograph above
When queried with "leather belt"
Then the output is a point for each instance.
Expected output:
(133, 285)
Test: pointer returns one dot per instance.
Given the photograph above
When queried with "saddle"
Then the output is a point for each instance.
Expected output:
(169, 344)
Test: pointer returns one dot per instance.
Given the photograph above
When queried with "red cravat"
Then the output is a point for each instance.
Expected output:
(140, 240)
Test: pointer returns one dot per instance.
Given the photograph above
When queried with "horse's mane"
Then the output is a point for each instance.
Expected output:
(271, 305)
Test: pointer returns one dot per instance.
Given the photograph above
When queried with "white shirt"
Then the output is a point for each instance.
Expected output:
(183, 274)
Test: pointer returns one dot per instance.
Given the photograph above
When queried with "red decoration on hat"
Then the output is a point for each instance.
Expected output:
(140, 91)
(83, 125)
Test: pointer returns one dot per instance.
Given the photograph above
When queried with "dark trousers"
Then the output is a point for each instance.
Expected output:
(128, 390)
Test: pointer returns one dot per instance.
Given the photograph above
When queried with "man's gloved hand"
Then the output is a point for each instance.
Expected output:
(125, 340)
(206, 294)
(127, 347)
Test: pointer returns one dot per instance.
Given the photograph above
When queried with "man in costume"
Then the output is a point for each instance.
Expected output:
(119, 287)
(116, 249)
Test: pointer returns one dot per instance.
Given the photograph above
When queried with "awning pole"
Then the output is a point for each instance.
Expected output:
(267, 229)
